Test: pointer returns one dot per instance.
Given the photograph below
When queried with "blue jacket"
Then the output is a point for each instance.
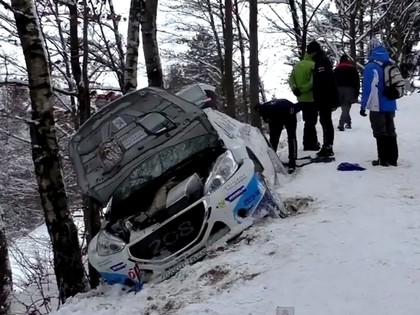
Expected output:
(373, 83)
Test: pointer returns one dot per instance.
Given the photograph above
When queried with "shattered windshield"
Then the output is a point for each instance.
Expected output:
(161, 162)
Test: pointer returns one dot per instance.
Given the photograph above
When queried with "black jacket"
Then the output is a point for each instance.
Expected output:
(324, 85)
(346, 75)
(277, 108)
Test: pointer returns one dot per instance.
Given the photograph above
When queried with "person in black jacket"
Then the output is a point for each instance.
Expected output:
(348, 82)
(325, 95)
(279, 114)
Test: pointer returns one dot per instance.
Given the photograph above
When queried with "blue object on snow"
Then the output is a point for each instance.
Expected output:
(346, 166)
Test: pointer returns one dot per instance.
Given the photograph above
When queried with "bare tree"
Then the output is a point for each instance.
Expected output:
(243, 68)
(68, 265)
(302, 13)
(5, 270)
(81, 77)
(254, 78)
(228, 77)
(150, 45)
(133, 42)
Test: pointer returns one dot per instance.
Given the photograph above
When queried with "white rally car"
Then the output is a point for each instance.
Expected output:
(176, 180)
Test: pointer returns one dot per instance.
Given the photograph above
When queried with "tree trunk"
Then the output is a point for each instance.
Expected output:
(228, 78)
(253, 62)
(296, 25)
(305, 26)
(354, 9)
(118, 42)
(243, 64)
(218, 45)
(91, 214)
(133, 42)
(67, 65)
(361, 17)
(216, 37)
(150, 45)
(68, 266)
(6, 283)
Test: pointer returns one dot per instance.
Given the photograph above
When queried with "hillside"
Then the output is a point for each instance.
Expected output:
(353, 250)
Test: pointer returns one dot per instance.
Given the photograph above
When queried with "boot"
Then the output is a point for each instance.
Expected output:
(392, 150)
(340, 127)
(291, 167)
(347, 126)
(381, 144)
(326, 151)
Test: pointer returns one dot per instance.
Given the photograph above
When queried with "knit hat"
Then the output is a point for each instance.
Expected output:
(374, 42)
(313, 47)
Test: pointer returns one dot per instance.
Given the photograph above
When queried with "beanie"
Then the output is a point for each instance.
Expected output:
(313, 47)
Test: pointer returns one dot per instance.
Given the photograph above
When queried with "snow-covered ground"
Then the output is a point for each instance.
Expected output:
(354, 250)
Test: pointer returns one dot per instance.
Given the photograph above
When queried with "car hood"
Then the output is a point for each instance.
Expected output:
(130, 130)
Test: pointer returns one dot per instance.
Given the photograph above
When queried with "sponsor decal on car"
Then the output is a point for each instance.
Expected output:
(118, 267)
(184, 263)
(104, 262)
(236, 194)
(134, 138)
(252, 198)
(133, 273)
(221, 204)
(119, 123)
(235, 182)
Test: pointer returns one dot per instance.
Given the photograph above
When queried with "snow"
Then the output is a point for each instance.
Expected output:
(354, 250)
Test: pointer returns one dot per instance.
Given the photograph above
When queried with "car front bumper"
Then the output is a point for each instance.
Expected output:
(162, 250)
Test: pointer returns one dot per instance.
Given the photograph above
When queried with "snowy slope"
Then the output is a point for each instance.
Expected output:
(354, 250)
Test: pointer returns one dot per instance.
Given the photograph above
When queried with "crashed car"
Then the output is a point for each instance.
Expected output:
(176, 179)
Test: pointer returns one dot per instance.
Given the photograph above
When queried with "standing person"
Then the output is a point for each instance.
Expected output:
(279, 114)
(382, 105)
(300, 82)
(325, 95)
(348, 83)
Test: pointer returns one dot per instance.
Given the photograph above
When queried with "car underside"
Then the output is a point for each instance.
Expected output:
(175, 180)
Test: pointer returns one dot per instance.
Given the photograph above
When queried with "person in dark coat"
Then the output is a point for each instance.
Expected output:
(325, 95)
(279, 114)
(348, 83)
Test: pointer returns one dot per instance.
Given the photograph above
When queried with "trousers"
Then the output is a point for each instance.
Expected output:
(276, 126)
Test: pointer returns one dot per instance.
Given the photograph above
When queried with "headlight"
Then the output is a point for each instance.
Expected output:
(224, 167)
(108, 244)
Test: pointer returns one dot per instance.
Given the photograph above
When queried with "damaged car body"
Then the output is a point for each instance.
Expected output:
(176, 179)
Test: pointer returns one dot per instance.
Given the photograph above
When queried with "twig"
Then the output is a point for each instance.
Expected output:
(7, 133)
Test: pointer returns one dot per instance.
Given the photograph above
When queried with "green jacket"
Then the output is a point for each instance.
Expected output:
(301, 77)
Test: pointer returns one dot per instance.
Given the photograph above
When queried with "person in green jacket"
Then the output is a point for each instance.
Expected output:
(300, 82)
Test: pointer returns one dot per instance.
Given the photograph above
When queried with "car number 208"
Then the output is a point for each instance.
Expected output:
(171, 237)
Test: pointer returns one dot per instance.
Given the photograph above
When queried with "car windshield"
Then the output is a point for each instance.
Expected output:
(161, 162)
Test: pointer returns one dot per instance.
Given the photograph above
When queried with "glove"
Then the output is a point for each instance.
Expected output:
(363, 112)
(296, 92)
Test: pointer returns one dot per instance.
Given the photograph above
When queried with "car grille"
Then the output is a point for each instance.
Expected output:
(177, 234)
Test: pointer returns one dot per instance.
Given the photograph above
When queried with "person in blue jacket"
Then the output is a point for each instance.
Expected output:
(279, 114)
(381, 109)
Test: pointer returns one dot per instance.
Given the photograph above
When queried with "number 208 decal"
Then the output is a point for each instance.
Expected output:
(171, 237)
